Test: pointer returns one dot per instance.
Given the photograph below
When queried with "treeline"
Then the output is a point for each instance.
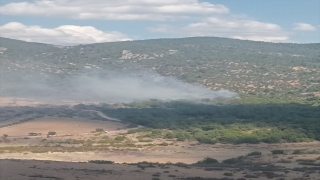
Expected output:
(208, 123)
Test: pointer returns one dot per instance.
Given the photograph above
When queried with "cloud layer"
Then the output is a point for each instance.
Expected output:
(62, 35)
(164, 18)
(239, 28)
(113, 10)
(304, 27)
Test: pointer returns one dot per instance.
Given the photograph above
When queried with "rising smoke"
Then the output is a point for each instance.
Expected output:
(100, 87)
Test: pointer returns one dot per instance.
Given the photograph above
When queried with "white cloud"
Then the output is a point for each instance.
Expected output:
(113, 9)
(62, 35)
(304, 27)
(229, 27)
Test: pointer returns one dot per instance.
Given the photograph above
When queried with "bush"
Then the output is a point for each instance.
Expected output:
(169, 135)
(277, 152)
(255, 153)
(284, 161)
(228, 174)
(101, 162)
(163, 144)
(208, 160)
(120, 138)
(181, 164)
(172, 175)
(99, 130)
(156, 174)
(297, 152)
(33, 134)
(251, 176)
(233, 160)
(51, 133)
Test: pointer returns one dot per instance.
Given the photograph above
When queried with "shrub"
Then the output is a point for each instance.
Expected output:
(233, 160)
(284, 161)
(33, 134)
(251, 176)
(99, 130)
(120, 138)
(156, 174)
(306, 160)
(144, 140)
(208, 160)
(169, 135)
(205, 138)
(101, 162)
(228, 174)
(180, 164)
(163, 144)
(297, 152)
(255, 153)
(51, 133)
(277, 152)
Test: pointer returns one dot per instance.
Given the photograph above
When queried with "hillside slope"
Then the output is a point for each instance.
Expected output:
(247, 67)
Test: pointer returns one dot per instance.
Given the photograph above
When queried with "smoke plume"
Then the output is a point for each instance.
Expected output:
(108, 87)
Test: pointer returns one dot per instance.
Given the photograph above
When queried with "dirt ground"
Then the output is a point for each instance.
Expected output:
(61, 126)
(9, 101)
(12, 101)
(32, 169)
(185, 152)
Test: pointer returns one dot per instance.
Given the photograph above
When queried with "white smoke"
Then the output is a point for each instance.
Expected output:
(105, 88)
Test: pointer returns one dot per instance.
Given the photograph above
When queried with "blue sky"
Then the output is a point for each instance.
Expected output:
(70, 22)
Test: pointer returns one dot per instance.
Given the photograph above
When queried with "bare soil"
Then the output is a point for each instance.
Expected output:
(61, 126)
(32, 169)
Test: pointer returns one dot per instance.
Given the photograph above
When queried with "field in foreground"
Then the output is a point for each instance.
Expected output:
(79, 139)
(262, 167)
(82, 142)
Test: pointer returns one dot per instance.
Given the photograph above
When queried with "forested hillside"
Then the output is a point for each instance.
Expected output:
(255, 70)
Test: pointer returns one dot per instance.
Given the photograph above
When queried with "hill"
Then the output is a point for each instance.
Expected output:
(252, 69)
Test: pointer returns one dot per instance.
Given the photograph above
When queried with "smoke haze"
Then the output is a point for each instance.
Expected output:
(108, 87)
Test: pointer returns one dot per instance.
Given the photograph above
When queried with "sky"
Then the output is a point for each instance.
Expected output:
(73, 22)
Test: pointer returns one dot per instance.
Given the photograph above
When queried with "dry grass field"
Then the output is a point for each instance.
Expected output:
(282, 169)
(11, 101)
(61, 126)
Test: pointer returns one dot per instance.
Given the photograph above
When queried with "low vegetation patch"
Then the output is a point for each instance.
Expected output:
(255, 153)
(101, 162)
(277, 151)
(208, 160)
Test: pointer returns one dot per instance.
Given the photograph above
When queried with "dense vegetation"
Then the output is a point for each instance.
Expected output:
(233, 123)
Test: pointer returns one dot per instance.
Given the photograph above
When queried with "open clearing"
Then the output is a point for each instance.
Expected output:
(15, 102)
(61, 126)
